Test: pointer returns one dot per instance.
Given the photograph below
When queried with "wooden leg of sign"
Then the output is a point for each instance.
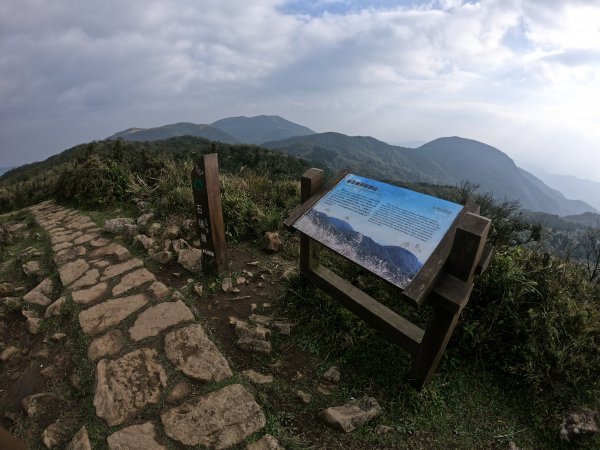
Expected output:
(310, 183)
(432, 347)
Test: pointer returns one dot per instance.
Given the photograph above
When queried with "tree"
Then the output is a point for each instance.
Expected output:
(589, 240)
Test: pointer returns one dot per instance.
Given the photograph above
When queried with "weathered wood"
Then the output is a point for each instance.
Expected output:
(467, 247)
(311, 183)
(436, 337)
(484, 261)
(450, 293)
(209, 213)
(420, 286)
(390, 324)
(317, 194)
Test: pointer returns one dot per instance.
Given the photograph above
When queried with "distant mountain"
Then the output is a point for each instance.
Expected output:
(572, 187)
(259, 129)
(449, 161)
(5, 169)
(177, 129)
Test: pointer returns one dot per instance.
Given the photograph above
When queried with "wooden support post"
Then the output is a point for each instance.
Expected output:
(310, 183)
(450, 295)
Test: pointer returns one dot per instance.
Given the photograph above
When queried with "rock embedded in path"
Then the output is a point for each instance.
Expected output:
(90, 278)
(217, 420)
(579, 423)
(351, 415)
(117, 269)
(125, 386)
(114, 249)
(90, 295)
(81, 441)
(46, 287)
(108, 344)
(192, 352)
(136, 437)
(68, 254)
(158, 318)
(72, 270)
(132, 280)
(109, 313)
(180, 391)
(267, 442)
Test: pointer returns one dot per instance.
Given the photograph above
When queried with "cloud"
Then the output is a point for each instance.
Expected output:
(512, 73)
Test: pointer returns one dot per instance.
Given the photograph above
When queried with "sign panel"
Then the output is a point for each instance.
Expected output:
(209, 215)
(388, 230)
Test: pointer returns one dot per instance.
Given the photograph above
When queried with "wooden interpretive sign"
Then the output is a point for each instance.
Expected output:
(209, 214)
(429, 248)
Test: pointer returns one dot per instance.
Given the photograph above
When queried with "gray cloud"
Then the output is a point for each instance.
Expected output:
(74, 71)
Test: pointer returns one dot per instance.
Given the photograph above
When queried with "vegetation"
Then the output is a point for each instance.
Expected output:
(530, 334)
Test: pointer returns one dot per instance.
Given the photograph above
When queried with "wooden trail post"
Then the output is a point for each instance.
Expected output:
(445, 281)
(209, 214)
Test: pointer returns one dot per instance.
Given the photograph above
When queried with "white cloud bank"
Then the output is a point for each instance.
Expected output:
(522, 75)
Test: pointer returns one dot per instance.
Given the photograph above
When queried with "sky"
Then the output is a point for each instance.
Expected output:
(521, 75)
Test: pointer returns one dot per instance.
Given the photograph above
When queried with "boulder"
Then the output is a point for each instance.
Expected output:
(143, 241)
(351, 415)
(271, 242)
(154, 229)
(218, 420)
(190, 259)
(180, 244)
(172, 231)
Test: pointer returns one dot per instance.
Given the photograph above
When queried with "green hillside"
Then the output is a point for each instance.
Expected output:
(177, 129)
(259, 129)
(444, 161)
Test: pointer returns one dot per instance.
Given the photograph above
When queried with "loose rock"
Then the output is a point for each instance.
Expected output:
(120, 225)
(193, 353)
(217, 420)
(158, 291)
(267, 442)
(81, 441)
(38, 404)
(143, 241)
(579, 423)
(180, 391)
(9, 352)
(37, 298)
(126, 385)
(32, 325)
(55, 308)
(142, 221)
(226, 285)
(190, 259)
(58, 433)
(179, 245)
(257, 377)
(304, 397)
(332, 375)
(351, 415)
(163, 257)
(271, 242)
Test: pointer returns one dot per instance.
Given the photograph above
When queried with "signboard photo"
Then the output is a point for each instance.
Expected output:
(388, 230)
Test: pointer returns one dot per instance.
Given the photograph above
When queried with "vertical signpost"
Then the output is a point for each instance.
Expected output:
(209, 214)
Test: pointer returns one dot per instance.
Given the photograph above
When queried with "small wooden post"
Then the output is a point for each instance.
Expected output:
(310, 183)
(209, 214)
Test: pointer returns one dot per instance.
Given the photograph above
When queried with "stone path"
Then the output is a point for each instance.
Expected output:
(130, 319)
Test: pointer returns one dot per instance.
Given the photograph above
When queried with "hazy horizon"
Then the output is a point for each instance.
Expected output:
(520, 75)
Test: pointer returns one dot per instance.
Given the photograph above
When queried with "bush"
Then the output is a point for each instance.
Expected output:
(536, 317)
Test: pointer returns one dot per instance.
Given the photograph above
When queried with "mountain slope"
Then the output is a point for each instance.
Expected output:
(449, 160)
(259, 129)
(173, 130)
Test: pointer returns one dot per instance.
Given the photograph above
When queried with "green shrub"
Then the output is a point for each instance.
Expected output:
(536, 317)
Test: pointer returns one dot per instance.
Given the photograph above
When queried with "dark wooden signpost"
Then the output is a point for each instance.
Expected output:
(209, 214)
(444, 280)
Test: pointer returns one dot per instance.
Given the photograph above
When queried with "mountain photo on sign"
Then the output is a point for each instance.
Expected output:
(388, 230)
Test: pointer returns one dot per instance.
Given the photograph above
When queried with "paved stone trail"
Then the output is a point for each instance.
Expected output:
(127, 313)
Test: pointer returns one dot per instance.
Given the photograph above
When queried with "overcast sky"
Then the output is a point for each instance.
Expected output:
(521, 75)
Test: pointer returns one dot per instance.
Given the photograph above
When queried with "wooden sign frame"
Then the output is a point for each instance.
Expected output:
(209, 214)
(445, 284)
